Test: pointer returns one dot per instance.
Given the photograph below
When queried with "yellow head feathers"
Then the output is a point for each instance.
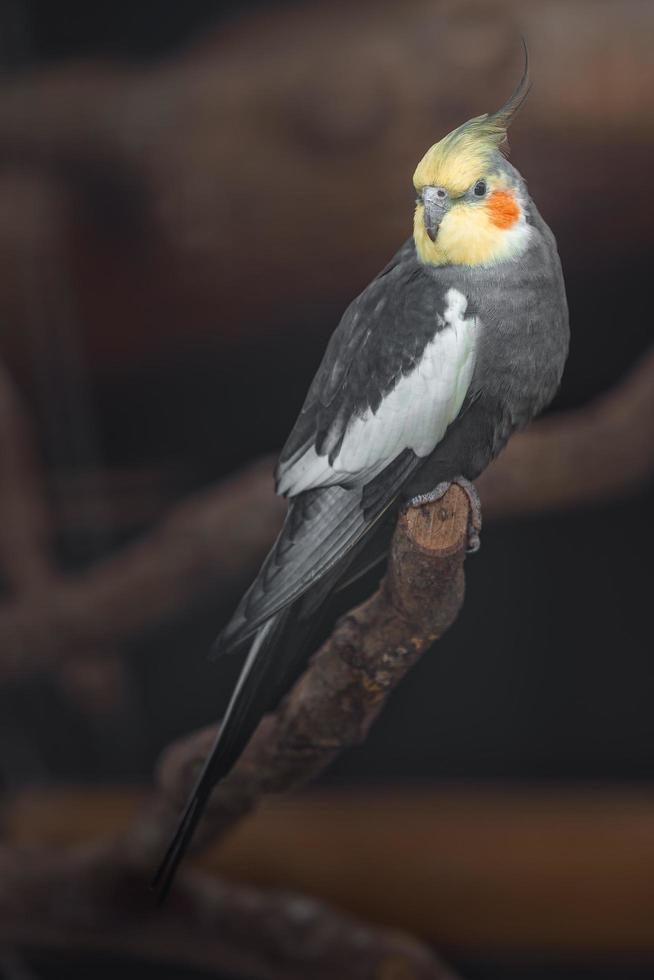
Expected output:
(470, 203)
(460, 157)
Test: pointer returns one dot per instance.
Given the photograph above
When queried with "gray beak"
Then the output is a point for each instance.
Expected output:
(436, 201)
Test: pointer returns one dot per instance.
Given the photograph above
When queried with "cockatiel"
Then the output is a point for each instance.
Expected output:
(459, 341)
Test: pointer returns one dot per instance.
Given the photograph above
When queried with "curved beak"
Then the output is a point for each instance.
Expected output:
(436, 201)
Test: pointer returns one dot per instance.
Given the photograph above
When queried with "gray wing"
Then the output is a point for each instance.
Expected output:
(394, 376)
(322, 529)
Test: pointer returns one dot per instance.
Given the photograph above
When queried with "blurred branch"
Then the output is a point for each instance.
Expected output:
(135, 496)
(91, 900)
(573, 865)
(207, 543)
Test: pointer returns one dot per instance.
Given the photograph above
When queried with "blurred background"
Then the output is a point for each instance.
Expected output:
(190, 193)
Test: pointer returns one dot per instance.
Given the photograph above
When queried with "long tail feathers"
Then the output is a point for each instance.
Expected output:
(237, 727)
(163, 879)
(272, 663)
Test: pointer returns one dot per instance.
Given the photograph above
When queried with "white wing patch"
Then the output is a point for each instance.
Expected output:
(414, 415)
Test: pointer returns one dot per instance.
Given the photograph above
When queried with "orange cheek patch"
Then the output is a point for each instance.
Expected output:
(503, 209)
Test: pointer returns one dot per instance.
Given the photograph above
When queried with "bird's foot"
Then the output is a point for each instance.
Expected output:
(474, 524)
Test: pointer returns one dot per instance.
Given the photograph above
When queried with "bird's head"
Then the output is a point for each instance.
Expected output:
(470, 203)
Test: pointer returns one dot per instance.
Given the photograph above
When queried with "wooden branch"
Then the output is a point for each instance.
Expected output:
(345, 687)
(91, 900)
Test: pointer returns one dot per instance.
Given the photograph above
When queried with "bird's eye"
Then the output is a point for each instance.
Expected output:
(479, 189)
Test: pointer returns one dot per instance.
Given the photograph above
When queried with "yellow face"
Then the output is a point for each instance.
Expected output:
(484, 221)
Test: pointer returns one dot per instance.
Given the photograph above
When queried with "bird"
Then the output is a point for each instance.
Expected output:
(460, 340)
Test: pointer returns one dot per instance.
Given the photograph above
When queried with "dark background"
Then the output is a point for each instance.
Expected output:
(128, 364)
